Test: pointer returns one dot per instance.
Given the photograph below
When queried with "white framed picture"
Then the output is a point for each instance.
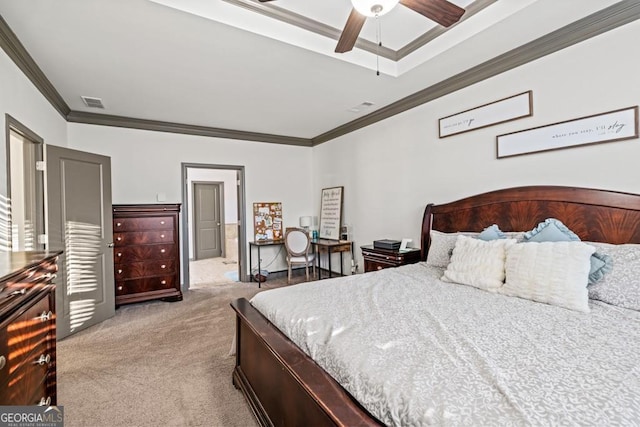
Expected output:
(331, 213)
(604, 127)
(504, 110)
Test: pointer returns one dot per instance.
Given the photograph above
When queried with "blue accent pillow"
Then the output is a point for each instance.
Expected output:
(601, 264)
(492, 232)
(553, 230)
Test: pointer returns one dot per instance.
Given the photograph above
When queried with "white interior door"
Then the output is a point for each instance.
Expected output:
(80, 223)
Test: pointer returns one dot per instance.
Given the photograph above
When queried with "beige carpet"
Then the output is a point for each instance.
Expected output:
(157, 364)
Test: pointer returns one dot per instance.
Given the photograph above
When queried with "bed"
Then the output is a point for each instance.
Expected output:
(595, 375)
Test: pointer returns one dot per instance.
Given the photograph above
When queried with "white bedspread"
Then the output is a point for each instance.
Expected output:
(417, 351)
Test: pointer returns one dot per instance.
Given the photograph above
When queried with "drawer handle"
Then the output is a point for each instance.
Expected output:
(119, 253)
(162, 251)
(119, 238)
(118, 224)
(163, 266)
(162, 236)
(3, 361)
(45, 316)
(119, 271)
(161, 222)
(379, 267)
(45, 402)
(18, 292)
(119, 288)
(163, 282)
(44, 359)
(386, 257)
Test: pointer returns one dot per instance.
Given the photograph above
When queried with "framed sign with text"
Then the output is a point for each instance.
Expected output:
(503, 110)
(598, 128)
(331, 213)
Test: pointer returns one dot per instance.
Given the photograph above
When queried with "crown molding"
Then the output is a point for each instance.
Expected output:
(305, 23)
(300, 21)
(598, 23)
(593, 25)
(437, 31)
(19, 55)
(185, 129)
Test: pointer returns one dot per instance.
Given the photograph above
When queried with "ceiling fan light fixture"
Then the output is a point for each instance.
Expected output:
(373, 8)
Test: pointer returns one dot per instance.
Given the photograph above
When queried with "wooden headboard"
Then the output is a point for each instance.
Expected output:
(594, 215)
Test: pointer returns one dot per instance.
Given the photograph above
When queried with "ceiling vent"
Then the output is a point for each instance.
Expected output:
(92, 102)
(361, 107)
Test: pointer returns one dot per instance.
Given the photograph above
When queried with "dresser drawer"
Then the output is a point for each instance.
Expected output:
(147, 284)
(370, 265)
(30, 375)
(143, 237)
(137, 224)
(25, 333)
(136, 270)
(129, 254)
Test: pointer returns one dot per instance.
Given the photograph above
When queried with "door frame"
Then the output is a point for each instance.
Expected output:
(41, 218)
(242, 231)
(223, 242)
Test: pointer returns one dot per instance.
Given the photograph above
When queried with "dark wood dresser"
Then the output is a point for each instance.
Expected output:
(28, 328)
(377, 259)
(146, 253)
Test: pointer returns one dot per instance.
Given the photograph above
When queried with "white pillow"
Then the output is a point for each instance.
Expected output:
(441, 247)
(555, 273)
(478, 263)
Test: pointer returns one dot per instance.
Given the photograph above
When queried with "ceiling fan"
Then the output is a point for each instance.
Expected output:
(441, 11)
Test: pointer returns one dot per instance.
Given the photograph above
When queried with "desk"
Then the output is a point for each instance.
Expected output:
(258, 244)
(327, 246)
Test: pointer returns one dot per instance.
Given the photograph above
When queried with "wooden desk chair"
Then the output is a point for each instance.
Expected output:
(298, 244)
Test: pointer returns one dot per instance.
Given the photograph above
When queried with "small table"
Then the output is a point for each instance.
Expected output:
(377, 259)
(258, 244)
(331, 246)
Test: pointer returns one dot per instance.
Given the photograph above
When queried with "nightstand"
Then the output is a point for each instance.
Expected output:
(377, 259)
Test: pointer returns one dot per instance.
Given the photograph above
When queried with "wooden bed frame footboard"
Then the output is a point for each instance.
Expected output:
(284, 386)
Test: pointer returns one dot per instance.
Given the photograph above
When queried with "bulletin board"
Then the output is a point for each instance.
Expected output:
(267, 221)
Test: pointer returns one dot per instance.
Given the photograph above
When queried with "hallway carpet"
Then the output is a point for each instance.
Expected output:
(157, 363)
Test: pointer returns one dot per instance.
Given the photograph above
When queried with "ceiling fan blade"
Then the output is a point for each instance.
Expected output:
(350, 33)
(441, 11)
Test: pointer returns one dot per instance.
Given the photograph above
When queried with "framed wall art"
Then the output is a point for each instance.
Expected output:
(331, 213)
(604, 127)
(267, 221)
(503, 110)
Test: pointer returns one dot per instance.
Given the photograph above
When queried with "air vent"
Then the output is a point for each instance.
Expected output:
(361, 107)
(92, 102)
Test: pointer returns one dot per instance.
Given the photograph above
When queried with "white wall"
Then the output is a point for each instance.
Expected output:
(21, 100)
(144, 163)
(392, 169)
(389, 170)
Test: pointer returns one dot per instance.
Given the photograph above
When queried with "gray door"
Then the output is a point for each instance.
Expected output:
(207, 218)
(80, 223)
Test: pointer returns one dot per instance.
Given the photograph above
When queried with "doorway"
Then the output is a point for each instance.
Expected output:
(22, 210)
(213, 224)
